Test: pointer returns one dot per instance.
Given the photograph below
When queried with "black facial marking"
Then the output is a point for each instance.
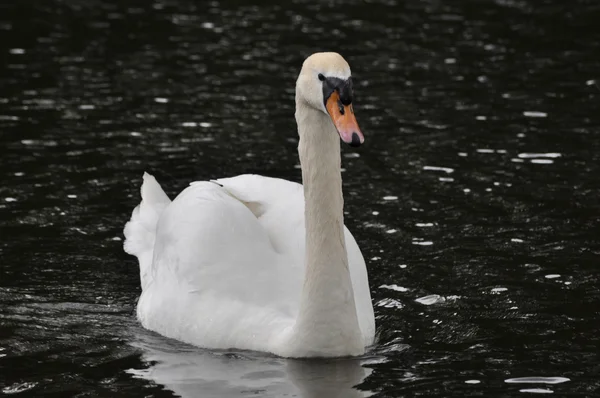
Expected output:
(341, 106)
(321, 77)
(343, 87)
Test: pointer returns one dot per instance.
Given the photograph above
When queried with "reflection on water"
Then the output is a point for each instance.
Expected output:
(190, 372)
(474, 199)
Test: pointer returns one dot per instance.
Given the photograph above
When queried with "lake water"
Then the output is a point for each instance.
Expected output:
(475, 200)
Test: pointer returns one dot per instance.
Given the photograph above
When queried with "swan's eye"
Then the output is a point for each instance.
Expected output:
(321, 77)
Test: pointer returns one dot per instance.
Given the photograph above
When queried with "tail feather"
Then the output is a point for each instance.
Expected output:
(140, 231)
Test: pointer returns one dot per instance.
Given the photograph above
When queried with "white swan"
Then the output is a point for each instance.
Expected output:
(261, 263)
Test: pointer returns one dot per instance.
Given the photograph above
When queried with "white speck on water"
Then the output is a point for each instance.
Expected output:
(424, 224)
(352, 155)
(116, 238)
(482, 79)
(403, 266)
(472, 381)
(516, 240)
(488, 190)
(394, 287)
(375, 213)
(71, 196)
(87, 107)
(485, 150)
(568, 283)
(542, 380)
(80, 231)
(480, 117)
(436, 168)
(415, 209)
(135, 134)
(462, 154)
(391, 231)
(534, 114)
(390, 198)
(521, 135)
(9, 199)
(9, 118)
(17, 51)
(47, 143)
(500, 150)
(205, 124)
(189, 124)
(423, 243)
(537, 390)
(208, 25)
(517, 160)
(552, 276)
(446, 179)
(431, 299)
(542, 161)
(389, 303)
(499, 289)
(19, 174)
(466, 190)
(375, 258)
(18, 388)
(590, 82)
(450, 61)
(161, 100)
(529, 155)
(496, 183)
(297, 166)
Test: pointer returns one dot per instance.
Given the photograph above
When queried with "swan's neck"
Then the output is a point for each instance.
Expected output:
(327, 323)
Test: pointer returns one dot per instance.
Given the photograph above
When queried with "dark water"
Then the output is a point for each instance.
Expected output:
(475, 200)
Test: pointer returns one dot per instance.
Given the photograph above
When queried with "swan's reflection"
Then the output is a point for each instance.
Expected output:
(192, 372)
(327, 378)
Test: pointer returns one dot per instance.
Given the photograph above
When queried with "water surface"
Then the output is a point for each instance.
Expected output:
(475, 199)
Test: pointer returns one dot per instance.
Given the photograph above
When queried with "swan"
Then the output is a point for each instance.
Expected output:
(258, 263)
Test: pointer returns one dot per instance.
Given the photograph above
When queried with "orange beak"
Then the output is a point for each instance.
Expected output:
(344, 120)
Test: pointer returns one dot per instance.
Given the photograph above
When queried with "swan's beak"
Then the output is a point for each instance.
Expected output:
(344, 120)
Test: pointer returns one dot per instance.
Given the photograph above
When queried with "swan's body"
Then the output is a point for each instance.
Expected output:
(259, 263)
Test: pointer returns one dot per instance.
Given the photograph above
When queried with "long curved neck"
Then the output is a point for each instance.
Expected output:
(327, 323)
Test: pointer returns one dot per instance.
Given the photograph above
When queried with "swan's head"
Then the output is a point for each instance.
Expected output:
(325, 84)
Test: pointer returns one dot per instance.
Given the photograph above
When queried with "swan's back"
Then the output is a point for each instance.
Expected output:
(227, 263)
